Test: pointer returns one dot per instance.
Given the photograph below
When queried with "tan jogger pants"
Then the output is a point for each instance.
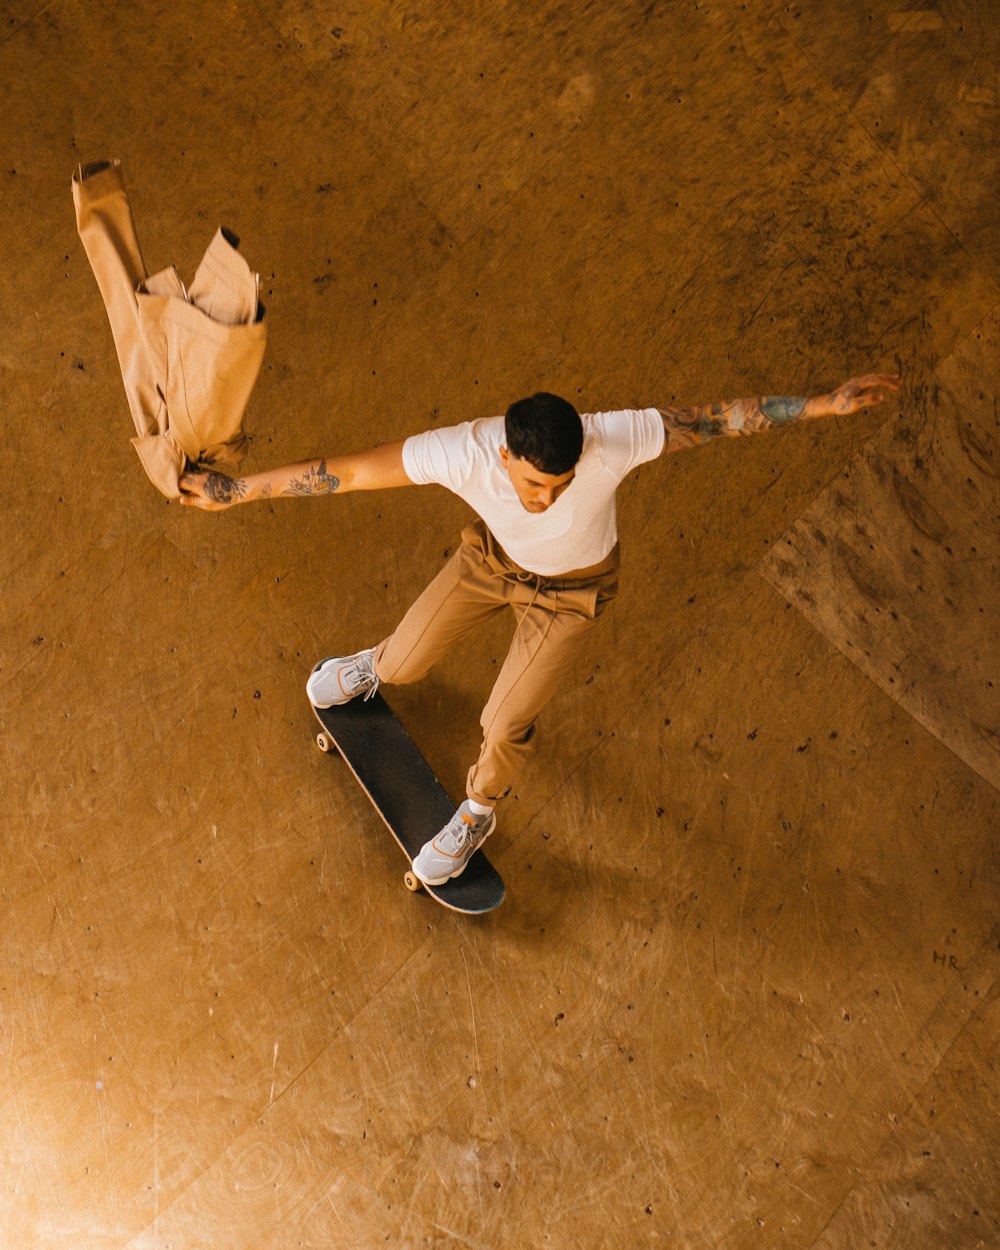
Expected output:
(554, 618)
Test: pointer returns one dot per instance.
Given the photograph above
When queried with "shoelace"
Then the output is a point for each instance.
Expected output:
(459, 835)
(362, 672)
(462, 831)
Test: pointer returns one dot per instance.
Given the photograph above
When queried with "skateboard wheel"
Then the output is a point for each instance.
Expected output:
(325, 743)
(412, 882)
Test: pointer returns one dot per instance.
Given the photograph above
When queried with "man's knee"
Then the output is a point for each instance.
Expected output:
(518, 733)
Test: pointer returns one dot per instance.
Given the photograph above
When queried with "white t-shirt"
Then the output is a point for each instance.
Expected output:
(579, 529)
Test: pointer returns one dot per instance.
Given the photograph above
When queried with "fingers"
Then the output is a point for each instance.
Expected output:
(192, 493)
(891, 380)
(867, 391)
(872, 381)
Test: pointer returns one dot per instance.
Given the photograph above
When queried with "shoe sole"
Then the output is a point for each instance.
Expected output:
(453, 875)
(445, 880)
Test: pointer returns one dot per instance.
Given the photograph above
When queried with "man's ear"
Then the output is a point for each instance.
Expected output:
(504, 456)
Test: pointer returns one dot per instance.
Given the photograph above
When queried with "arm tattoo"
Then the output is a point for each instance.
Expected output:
(690, 427)
(222, 489)
(315, 481)
(781, 408)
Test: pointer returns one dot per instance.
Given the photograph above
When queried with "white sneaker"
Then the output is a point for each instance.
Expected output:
(447, 855)
(342, 678)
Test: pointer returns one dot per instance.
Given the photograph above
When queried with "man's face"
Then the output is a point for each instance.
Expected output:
(536, 490)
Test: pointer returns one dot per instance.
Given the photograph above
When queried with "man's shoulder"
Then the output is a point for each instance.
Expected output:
(624, 437)
(616, 418)
(480, 430)
(602, 428)
(450, 454)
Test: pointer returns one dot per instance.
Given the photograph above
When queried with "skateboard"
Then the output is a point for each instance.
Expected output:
(404, 791)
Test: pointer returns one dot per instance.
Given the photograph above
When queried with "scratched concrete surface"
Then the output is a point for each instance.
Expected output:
(743, 990)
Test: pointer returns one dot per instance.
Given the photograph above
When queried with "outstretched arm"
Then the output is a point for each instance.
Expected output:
(377, 469)
(690, 427)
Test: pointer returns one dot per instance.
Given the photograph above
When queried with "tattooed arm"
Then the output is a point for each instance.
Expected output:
(689, 427)
(378, 469)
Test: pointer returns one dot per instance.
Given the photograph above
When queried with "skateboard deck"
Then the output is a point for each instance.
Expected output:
(404, 791)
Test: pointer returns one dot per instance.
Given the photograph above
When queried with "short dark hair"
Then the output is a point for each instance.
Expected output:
(546, 431)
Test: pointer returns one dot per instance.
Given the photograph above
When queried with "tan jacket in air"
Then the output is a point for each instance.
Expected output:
(189, 356)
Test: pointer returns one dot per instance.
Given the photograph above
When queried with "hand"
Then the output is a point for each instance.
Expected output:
(858, 393)
(212, 492)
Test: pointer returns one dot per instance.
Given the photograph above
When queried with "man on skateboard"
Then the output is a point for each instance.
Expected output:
(542, 480)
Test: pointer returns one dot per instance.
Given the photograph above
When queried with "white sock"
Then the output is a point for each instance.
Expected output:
(478, 808)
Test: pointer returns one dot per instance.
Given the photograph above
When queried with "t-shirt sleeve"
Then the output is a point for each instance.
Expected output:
(438, 456)
(627, 438)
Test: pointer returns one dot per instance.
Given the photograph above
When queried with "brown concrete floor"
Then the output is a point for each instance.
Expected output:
(743, 992)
